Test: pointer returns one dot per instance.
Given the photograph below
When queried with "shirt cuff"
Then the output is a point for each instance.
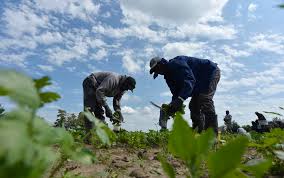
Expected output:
(181, 98)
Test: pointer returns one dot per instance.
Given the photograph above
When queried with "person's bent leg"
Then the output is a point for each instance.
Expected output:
(207, 104)
(99, 112)
(88, 94)
(195, 114)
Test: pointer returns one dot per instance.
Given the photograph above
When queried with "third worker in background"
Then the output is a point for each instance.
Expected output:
(189, 77)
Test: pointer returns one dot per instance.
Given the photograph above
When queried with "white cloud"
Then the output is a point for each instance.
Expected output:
(128, 110)
(166, 93)
(234, 52)
(131, 64)
(138, 31)
(46, 68)
(130, 98)
(23, 20)
(267, 42)
(49, 38)
(71, 69)
(58, 56)
(238, 11)
(83, 9)
(183, 48)
(271, 89)
(252, 7)
(171, 12)
(17, 59)
(203, 30)
(100, 54)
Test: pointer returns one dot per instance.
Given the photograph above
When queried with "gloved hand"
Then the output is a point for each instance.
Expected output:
(108, 112)
(117, 117)
(175, 106)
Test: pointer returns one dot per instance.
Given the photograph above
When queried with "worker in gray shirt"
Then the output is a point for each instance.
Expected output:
(100, 85)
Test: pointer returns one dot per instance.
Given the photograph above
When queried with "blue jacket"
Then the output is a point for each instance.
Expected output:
(187, 76)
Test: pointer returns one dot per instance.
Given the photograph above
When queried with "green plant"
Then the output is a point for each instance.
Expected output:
(267, 144)
(139, 139)
(2, 110)
(31, 144)
(194, 150)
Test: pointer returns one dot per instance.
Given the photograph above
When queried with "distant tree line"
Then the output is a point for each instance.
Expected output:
(68, 121)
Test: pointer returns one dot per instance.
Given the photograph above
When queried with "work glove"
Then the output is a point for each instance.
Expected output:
(117, 117)
(108, 112)
(175, 106)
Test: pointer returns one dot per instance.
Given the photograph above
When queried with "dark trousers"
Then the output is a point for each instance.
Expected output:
(202, 109)
(90, 102)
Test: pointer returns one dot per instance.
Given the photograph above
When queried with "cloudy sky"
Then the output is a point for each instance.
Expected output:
(69, 39)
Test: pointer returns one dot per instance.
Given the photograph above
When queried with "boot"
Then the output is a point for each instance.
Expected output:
(211, 121)
(197, 122)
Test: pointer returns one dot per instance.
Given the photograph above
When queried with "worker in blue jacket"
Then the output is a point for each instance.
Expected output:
(189, 77)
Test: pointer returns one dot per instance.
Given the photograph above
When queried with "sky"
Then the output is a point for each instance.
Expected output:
(69, 39)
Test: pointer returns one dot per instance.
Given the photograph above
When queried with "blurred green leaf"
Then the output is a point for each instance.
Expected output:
(181, 139)
(258, 167)
(48, 97)
(19, 88)
(227, 158)
(281, 5)
(103, 132)
(274, 113)
(167, 167)
(42, 82)
(84, 155)
(279, 154)
(205, 141)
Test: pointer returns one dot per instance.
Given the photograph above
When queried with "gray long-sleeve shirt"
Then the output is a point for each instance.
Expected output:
(108, 84)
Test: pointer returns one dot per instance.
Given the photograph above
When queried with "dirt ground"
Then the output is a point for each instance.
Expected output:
(122, 163)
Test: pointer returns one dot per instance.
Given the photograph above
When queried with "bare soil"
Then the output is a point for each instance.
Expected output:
(122, 163)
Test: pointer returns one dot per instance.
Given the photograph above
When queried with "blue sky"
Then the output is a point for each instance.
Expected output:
(69, 39)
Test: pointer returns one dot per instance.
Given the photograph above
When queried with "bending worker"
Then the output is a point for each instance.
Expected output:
(100, 85)
(189, 77)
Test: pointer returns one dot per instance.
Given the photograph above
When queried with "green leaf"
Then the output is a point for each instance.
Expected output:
(42, 82)
(48, 97)
(274, 113)
(258, 167)
(227, 158)
(84, 155)
(103, 132)
(167, 167)
(281, 6)
(19, 88)
(279, 154)
(205, 141)
(181, 140)
(282, 107)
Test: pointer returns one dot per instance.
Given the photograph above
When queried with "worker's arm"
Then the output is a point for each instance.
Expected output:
(187, 79)
(116, 101)
(106, 85)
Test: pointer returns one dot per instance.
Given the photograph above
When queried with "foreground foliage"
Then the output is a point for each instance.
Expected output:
(31, 145)
(196, 150)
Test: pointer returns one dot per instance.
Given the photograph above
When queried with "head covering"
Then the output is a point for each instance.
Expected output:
(130, 83)
(153, 63)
